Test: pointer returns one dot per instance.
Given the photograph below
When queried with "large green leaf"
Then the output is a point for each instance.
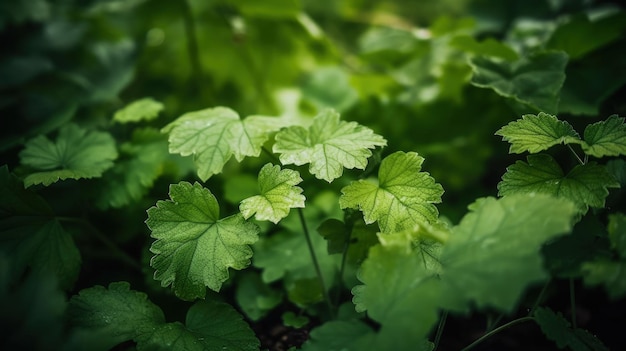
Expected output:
(494, 253)
(534, 133)
(214, 135)
(402, 198)
(194, 247)
(139, 110)
(606, 138)
(279, 194)
(585, 185)
(329, 145)
(533, 80)
(77, 153)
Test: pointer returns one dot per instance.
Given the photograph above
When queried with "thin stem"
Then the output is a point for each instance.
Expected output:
(539, 298)
(315, 262)
(493, 323)
(442, 324)
(580, 160)
(344, 256)
(497, 330)
(572, 301)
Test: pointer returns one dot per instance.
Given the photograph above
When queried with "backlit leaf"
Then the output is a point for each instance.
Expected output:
(77, 153)
(534, 133)
(606, 138)
(329, 145)
(194, 247)
(403, 197)
(139, 110)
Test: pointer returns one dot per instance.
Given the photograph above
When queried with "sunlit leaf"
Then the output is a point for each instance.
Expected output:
(534, 133)
(606, 138)
(139, 110)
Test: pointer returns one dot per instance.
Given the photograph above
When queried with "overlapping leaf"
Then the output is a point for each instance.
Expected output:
(214, 135)
(139, 110)
(329, 145)
(534, 133)
(194, 247)
(585, 185)
(559, 330)
(279, 194)
(77, 153)
(403, 197)
(606, 138)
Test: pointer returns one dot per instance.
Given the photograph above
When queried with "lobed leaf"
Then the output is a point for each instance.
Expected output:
(403, 197)
(279, 194)
(534, 133)
(139, 110)
(77, 153)
(606, 138)
(559, 330)
(329, 145)
(194, 248)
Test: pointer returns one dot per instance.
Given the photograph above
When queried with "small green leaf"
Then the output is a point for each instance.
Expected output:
(611, 274)
(329, 145)
(290, 319)
(194, 248)
(77, 153)
(606, 138)
(585, 185)
(143, 109)
(214, 135)
(254, 297)
(559, 330)
(121, 313)
(279, 194)
(617, 233)
(487, 47)
(534, 80)
(403, 197)
(534, 133)
(341, 335)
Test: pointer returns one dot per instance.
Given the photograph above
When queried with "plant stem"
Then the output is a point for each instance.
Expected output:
(497, 330)
(572, 301)
(315, 262)
(580, 160)
(192, 45)
(344, 256)
(539, 298)
(491, 324)
(442, 324)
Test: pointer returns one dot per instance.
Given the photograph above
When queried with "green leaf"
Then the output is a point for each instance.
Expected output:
(328, 145)
(534, 80)
(214, 135)
(585, 185)
(340, 335)
(145, 109)
(487, 47)
(290, 319)
(77, 153)
(254, 297)
(403, 197)
(559, 330)
(534, 133)
(194, 247)
(617, 233)
(210, 325)
(122, 314)
(494, 253)
(279, 194)
(606, 138)
(611, 274)
(329, 87)
(31, 236)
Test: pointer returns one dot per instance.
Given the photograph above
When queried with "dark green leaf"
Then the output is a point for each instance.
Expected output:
(559, 330)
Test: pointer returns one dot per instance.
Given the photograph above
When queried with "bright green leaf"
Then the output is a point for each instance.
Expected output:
(606, 138)
(214, 135)
(139, 110)
(194, 247)
(585, 185)
(534, 80)
(487, 47)
(611, 274)
(328, 145)
(494, 253)
(121, 313)
(559, 330)
(279, 194)
(534, 133)
(617, 233)
(77, 153)
(403, 197)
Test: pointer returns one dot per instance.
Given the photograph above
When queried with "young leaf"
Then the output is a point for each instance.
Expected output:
(585, 185)
(606, 138)
(559, 330)
(279, 194)
(534, 133)
(534, 80)
(214, 135)
(119, 312)
(494, 253)
(139, 110)
(403, 197)
(77, 153)
(194, 248)
(328, 145)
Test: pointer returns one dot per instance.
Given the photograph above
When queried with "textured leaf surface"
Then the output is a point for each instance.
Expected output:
(329, 145)
(214, 135)
(194, 247)
(585, 185)
(606, 138)
(139, 110)
(534, 80)
(494, 253)
(77, 153)
(559, 330)
(534, 133)
(279, 194)
(403, 197)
